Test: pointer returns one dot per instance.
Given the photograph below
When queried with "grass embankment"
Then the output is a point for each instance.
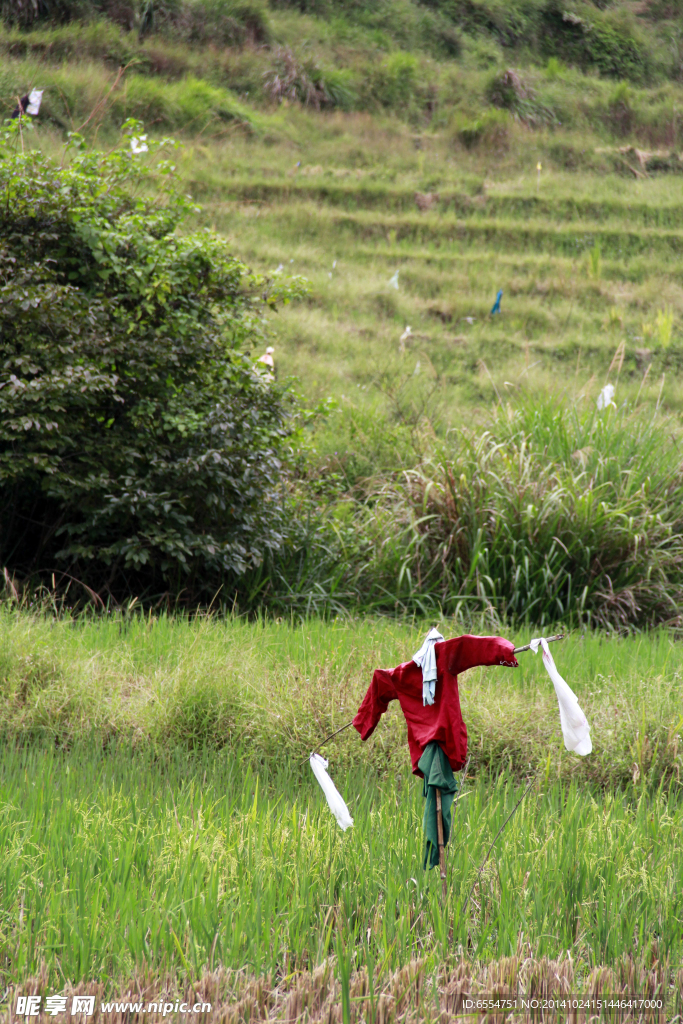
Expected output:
(159, 821)
(273, 691)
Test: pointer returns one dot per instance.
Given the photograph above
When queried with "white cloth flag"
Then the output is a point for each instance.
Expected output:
(332, 795)
(426, 659)
(575, 728)
(34, 100)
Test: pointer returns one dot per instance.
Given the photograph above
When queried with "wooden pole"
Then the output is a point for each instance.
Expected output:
(549, 639)
(442, 851)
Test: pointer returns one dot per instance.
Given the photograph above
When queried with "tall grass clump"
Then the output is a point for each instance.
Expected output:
(551, 514)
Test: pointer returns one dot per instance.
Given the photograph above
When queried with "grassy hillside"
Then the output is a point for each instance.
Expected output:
(307, 147)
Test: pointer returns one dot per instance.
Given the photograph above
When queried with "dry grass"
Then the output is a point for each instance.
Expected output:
(415, 994)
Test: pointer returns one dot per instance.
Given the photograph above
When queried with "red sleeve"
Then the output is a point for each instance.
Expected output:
(375, 702)
(467, 651)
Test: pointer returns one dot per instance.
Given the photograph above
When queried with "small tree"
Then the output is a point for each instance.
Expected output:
(140, 451)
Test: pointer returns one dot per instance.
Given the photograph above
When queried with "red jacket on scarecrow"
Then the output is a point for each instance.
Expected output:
(441, 721)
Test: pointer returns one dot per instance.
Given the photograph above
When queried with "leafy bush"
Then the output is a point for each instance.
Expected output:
(511, 22)
(620, 113)
(139, 450)
(491, 130)
(221, 22)
(395, 80)
(608, 41)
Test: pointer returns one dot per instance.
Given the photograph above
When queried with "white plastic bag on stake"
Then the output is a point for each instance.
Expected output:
(575, 727)
(332, 795)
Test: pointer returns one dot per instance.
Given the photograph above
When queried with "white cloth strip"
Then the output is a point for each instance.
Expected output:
(34, 100)
(332, 795)
(426, 659)
(575, 727)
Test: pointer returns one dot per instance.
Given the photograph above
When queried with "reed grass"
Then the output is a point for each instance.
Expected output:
(556, 513)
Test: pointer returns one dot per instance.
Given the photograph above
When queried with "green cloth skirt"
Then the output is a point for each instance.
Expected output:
(437, 772)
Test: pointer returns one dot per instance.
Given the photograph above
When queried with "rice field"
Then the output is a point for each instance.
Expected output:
(144, 844)
(161, 830)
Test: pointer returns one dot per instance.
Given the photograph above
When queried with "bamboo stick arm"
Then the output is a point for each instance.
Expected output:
(548, 639)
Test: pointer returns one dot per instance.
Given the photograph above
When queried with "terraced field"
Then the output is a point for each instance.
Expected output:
(587, 263)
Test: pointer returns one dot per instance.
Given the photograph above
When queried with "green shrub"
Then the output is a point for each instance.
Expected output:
(202, 22)
(481, 52)
(218, 22)
(404, 24)
(139, 450)
(26, 13)
(608, 41)
(508, 91)
(554, 69)
(395, 79)
(491, 130)
(512, 22)
(620, 113)
(664, 10)
(302, 80)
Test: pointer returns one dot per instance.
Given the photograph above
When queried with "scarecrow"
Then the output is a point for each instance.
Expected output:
(426, 687)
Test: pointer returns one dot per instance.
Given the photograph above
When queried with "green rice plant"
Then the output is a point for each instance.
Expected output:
(117, 862)
(158, 682)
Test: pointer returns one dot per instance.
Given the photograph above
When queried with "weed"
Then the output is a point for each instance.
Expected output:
(663, 327)
(595, 261)
(303, 81)
(554, 69)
